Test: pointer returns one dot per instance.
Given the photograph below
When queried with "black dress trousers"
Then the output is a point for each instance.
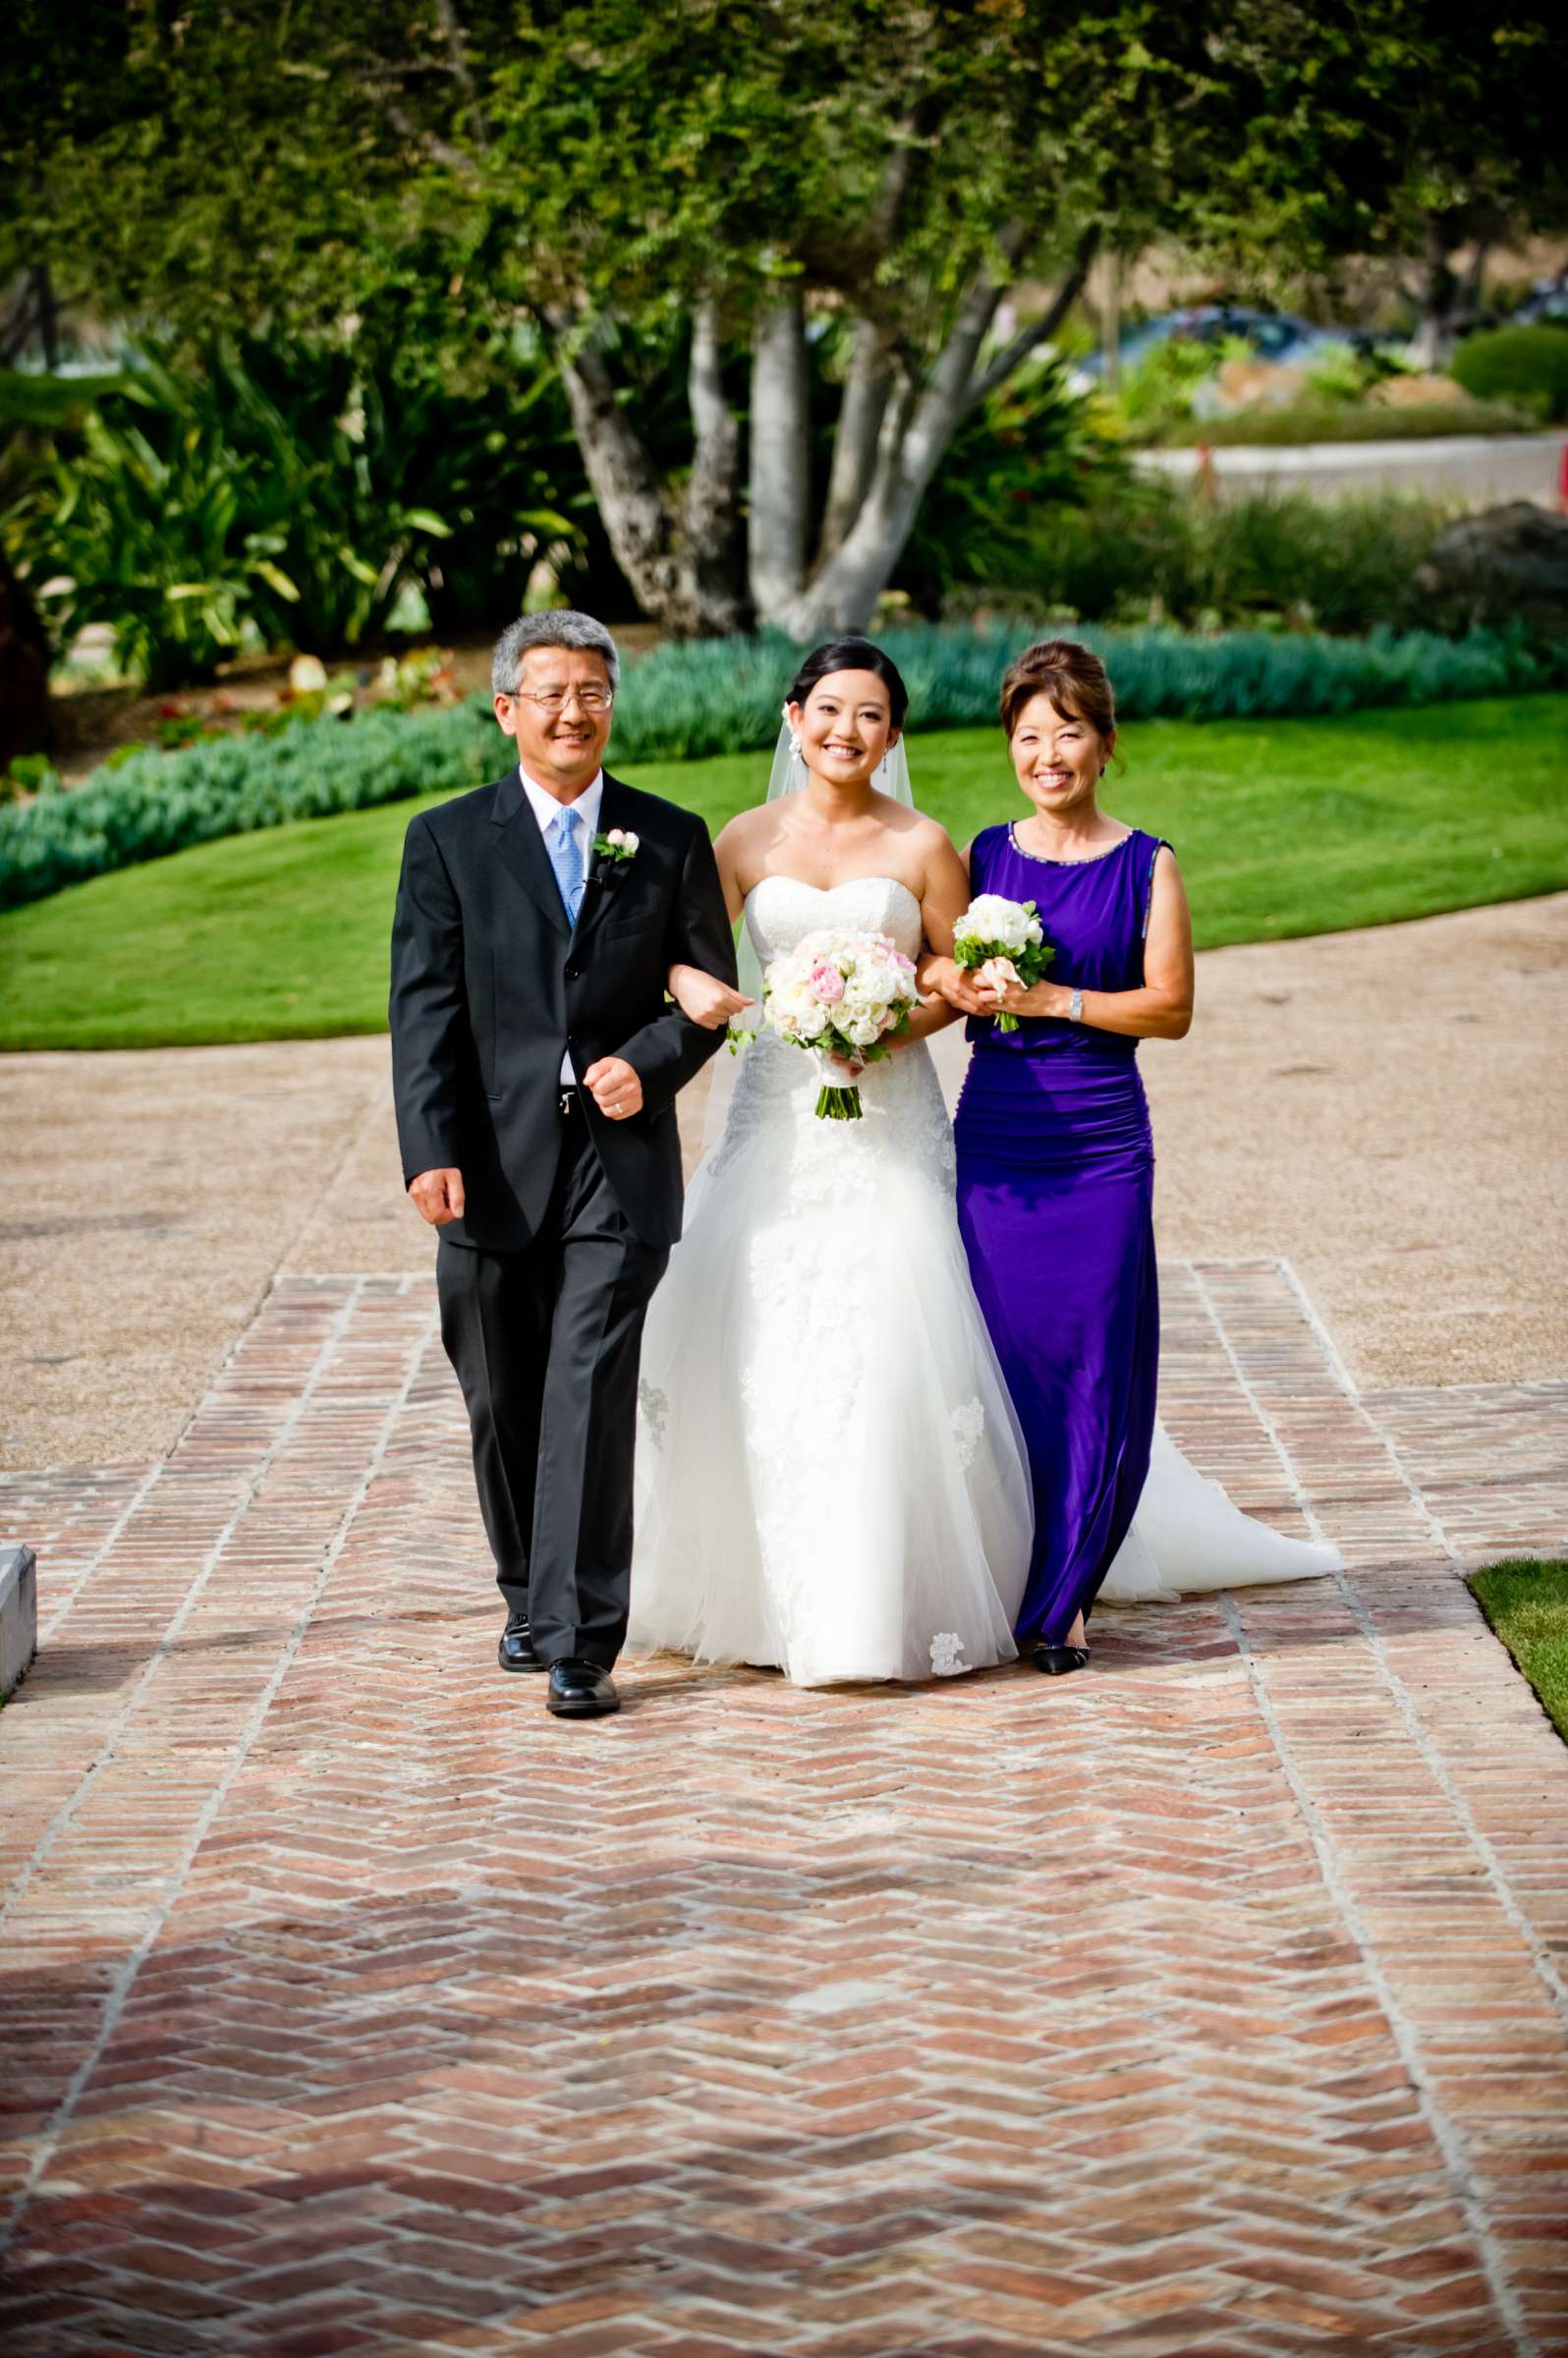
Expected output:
(545, 1343)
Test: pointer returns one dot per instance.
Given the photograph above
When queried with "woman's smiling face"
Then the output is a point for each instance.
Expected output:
(845, 726)
(1058, 758)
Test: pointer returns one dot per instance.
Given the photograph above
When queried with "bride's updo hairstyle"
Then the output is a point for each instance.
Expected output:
(1074, 678)
(851, 655)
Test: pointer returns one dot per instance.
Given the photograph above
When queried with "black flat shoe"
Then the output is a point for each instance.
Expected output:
(517, 1650)
(580, 1691)
(1058, 1660)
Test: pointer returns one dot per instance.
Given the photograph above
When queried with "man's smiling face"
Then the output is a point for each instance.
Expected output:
(559, 718)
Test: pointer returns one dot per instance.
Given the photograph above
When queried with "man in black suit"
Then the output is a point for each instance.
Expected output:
(536, 1062)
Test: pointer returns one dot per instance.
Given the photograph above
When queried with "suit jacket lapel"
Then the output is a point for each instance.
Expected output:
(521, 847)
(612, 814)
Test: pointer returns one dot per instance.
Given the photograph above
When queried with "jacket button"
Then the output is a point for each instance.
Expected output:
(572, 973)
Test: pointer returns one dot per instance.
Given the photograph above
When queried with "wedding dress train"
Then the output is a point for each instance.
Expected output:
(1188, 1538)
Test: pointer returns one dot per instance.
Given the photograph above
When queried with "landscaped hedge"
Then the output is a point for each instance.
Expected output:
(1527, 363)
(725, 696)
(158, 801)
(1306, 422)
(713, 698)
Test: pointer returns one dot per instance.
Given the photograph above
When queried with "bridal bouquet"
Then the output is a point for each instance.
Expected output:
(840, 994)
(1005, 941)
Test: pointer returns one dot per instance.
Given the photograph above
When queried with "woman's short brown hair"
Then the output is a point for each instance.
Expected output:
(1072, 676)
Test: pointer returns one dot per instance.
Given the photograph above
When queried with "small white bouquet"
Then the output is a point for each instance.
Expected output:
(840, 994)
(1002, 941)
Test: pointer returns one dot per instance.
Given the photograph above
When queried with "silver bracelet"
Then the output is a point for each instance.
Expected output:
(1074, 1008)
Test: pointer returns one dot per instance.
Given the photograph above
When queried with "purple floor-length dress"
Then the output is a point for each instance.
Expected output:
(1055, 1201)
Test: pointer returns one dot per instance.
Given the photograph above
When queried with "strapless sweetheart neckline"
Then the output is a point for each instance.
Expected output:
(826, 892)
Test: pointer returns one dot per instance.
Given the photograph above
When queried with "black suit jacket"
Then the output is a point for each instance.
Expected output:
(490, 982)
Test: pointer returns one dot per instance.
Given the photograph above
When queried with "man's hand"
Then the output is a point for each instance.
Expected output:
(616, 1089)
(438, 1197)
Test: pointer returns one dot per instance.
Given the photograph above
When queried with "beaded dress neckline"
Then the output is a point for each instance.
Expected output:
(1044, 859)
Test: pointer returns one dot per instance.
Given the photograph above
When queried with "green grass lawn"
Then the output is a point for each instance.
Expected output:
(1282, 828)
(1527, 1605)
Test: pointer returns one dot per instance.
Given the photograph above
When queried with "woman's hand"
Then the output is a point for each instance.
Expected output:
(945, 979)
(703, 999)
(1040, 999)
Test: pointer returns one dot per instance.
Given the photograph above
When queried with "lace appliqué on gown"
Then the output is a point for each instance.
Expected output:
(828, 1467)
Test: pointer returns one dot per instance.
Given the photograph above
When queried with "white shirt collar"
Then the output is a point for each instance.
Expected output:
(546, 809)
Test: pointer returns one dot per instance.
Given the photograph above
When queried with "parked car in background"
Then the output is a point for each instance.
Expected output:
(1272, 335)
(1547, 304)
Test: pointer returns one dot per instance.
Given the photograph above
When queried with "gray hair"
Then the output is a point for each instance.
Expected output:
(560, 626)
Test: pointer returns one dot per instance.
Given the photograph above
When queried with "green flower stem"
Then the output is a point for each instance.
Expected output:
(838, 1105)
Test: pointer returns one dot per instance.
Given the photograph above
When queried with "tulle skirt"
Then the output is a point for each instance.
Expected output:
(830, 1476)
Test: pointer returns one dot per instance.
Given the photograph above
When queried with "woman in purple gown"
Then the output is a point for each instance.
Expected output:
(1055, 1163)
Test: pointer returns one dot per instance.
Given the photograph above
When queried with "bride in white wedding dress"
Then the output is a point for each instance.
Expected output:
(829, 1473)
(831, 1477)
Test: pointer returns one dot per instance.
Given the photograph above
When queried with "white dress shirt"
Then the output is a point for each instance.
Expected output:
(546, 809)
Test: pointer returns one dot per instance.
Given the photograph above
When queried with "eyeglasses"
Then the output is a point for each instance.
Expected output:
(556, 700)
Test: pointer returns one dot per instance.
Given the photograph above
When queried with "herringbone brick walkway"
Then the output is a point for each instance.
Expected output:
(1211, 2001)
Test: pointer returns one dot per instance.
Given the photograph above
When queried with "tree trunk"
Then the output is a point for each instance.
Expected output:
(679, 581)
(1447, 305)
(781, 489)
(855, 441)
(1437, 326)
(1110, 325)
(26, 721)
(841, 593)
(713, 559)
(48, 316)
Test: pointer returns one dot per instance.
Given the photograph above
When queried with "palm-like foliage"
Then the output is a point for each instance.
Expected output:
(146, 523)
(287, 494)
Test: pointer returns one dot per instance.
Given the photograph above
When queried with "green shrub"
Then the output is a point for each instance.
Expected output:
(1156, 548)
(153, 803)
(714, 697)
(1157, 392)
(289, 494)
(1334, 422)
(1528, 366)
(397, 474)
(1345, 567)
(1014, 463)
(145, 531)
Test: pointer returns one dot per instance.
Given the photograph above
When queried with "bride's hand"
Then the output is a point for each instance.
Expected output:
(945, 979)
(703, 999)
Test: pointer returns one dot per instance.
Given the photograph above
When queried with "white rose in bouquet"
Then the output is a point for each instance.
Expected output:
(1001, 924)
(1002, 941)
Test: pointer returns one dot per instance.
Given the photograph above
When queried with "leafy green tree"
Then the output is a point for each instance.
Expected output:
(729, 178)
(1486, 97)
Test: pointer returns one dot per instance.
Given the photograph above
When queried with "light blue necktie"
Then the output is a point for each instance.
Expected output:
(565, 858)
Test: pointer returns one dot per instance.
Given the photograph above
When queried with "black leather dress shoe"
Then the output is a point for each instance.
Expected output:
(1058, 1660)
(517, 1650)
(580, 1691)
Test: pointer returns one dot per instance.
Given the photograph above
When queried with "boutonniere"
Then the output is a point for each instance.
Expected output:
(616, 847)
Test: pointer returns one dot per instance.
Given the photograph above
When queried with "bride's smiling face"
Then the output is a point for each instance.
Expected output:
(1058, 758)
(845, 726)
